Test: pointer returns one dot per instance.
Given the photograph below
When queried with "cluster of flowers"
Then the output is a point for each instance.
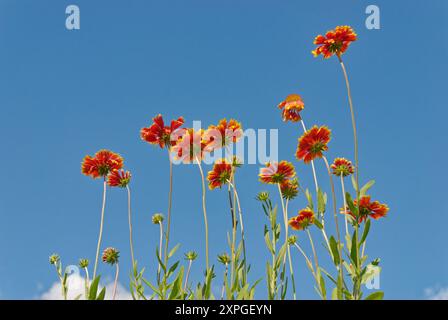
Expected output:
(190, 146)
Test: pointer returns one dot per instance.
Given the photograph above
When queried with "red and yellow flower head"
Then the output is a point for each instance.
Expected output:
(275, 173)
(289, 188)
(335, 42)
(159, 134)
(342, 167)
(191, 146)
(224, 133)
(291, 108)
(304, 219)
(367, 209)
(119, 178)
(312, 143)
(101, 164)
(220, 175)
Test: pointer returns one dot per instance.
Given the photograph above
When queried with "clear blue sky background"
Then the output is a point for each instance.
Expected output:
(65, 94)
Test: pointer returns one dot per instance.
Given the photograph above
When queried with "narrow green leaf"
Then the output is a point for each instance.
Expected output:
(94, 288)
(309, 197)
(102, 294)
(354, 250)
(318, 224)
(173, 251)
(334, 250)
(355, 185)
(366, 187)
(365, 232)
(379, 295)
(321, 203)
(177, 285)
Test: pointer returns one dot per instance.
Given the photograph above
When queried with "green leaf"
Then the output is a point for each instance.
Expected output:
(267, 239)
(309, 197)
(102, 294)
(318, 224)
(173, 268)
(322, 285)
(334, 250)
(366, 187)
(350, 204)
(160, 260)
(379, 295)
(173, 251)
(94, 288)
(365, 232)
(321, 201)
(177, 285)
(354, 250)
(354, 183)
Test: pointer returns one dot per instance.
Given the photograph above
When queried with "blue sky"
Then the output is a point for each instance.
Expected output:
(65, 94)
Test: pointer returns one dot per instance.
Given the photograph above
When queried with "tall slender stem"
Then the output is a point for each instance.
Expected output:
(204, 209)
(170, 195)
(188, 274)
(316, 261)
(160, 248)
(86, 283)
(233, 244)
(285, 218)
(345, 204)
(224, 282)
(131, 242)
(100, 236)
(116, 282)
(242, 230)
(333, 193)
(352, 113)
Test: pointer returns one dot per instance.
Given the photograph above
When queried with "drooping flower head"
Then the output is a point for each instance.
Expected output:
(291, 108)
(223, 134)
(289, 188)
(342, 167)
(110, 256)
(312, 143)
(119, 178)
(101, 164)
(304, 219)
(334, 42)
(191, 146)
(160, 134)
(367, 208)
(220, 175)
(275, 172)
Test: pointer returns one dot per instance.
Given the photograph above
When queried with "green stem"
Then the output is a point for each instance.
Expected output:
(285, 218)
(100, 236)
(233, 244)
(131, 242)
(160, 249)
(115, 282)
(345, 204)
(188, 274)
(168, 223)
(205, 212)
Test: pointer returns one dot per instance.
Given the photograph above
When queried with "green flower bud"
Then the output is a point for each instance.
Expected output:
(157, 218)
(111, 255)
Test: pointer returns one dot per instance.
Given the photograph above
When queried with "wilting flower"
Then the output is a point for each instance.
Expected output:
(367, 209)
(291, 108)
(101, 164)
(224, 258)
(83, 263)
(342, 166)
(159, 133)
(157, 218)
(224, 133)
(111, 255)
(119, 178)
(289, 188)
(191, 146)
(304, 219)
(54, 258)
(312, 143)
(220, 175)
(191, 256)
(275, 172)
(334, 42)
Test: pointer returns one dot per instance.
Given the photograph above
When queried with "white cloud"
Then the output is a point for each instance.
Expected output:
(76, 288)
(437, 293)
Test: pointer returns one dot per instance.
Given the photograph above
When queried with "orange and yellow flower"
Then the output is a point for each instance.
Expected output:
(220, 175)
(312, 143)
(101, 164)
(289, 188)
(191, 146)
(342, 167)
(119, 178)
(158, 133)
(291, 108)
(224, 133)
(334, 42)
(367, 209)
(304, 219)
(275, 172)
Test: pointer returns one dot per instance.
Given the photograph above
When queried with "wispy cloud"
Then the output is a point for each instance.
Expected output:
(437, 293)
(76, 288)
